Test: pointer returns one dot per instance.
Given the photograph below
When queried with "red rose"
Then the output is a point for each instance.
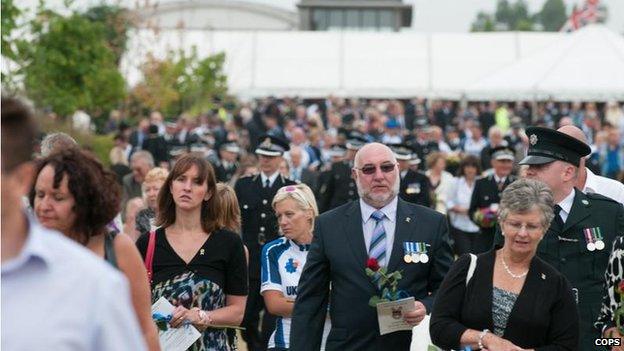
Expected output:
(372, 264)
(621, 287)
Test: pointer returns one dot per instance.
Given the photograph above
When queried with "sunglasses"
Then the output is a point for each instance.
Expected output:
(370, 169)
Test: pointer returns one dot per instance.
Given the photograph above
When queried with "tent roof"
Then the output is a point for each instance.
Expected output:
(585, 65)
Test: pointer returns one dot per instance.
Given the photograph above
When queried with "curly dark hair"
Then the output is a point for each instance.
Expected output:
(94, 188)
(166, 212)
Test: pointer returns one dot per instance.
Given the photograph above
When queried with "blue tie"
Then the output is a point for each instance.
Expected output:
(377, 247)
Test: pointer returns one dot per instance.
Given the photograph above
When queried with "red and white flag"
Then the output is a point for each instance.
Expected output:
(588, 13)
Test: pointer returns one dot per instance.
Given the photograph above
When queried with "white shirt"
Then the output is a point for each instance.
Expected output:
(56, 295)
(460, 195)
(566, 206)
(282, 263)
(271, 178)
(604, 186)
(474, 147)
(389, 223)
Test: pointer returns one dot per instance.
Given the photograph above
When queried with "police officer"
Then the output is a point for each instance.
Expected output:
(338, 187)
(486, 196)
(581, 234)
(414, 186)
(227, 164)
(259, 225)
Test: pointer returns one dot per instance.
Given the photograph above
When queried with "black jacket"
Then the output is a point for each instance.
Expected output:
(259, 225)
(544, 316)
(415, 188)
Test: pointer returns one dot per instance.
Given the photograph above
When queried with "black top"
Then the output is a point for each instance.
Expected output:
(544, 316)
(221, 260)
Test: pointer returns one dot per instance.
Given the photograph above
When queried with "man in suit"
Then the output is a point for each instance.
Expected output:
(378, 225)
(414, 184)
(486, 195)
(259, 226)
(585, 225)
(339, 188)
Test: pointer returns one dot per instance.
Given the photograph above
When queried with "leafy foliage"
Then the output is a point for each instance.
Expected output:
(69, 65)
(516, 17)
(553, 15)
(181, 83)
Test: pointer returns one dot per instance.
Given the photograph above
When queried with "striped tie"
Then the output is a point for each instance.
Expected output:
(377, 247)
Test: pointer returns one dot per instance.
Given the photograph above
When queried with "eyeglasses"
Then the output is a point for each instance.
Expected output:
(516, 227)
(370, 169)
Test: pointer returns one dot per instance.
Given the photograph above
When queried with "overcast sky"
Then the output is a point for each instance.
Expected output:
(429, 15)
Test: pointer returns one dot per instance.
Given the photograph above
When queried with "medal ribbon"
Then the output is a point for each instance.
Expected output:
(589, 237)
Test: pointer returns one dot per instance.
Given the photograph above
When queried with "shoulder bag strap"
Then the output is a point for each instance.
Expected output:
(149, 255)
(471, 268)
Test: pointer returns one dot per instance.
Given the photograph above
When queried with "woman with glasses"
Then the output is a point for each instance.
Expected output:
(511, 299)
(283, 259)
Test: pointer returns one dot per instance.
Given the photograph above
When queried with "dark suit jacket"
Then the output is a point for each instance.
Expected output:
(544, 316)
(338, 255)
(415, 188)
(486, 193)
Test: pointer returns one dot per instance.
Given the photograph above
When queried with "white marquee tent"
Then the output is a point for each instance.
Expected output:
(585, 65)
(404, 64)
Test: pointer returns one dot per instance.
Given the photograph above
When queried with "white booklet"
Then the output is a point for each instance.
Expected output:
(174, 339)
(390, 315)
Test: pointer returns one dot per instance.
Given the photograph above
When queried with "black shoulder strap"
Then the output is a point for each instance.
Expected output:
(109, 248)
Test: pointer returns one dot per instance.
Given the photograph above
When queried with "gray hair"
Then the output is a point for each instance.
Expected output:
(524, 195)
(143, 155)
(56, 142)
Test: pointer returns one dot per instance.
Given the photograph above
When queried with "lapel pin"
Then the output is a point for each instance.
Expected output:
(543, 276)
(408, 219)
(201, 252)
(585, 202)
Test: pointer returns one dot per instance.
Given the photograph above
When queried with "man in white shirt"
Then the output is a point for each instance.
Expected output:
(589, 182)
(56, 295)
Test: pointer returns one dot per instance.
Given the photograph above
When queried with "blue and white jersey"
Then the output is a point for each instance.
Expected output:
(282, 263)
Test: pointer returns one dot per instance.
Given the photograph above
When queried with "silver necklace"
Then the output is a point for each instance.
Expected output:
(516, 276)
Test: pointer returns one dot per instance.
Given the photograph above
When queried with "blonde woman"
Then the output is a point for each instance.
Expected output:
(154, 180)
(283, 259)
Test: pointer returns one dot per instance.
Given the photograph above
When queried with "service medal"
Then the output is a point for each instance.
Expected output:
(424, 258)
(599, 245)
(591, 246)
(407, 258)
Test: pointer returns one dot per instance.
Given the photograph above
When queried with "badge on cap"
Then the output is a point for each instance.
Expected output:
(266, 143)
(533, 139)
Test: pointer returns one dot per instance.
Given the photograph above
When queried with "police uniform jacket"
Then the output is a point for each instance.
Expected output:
(224, 174)
(486, 193)
(259, 224)
(339, 188)
(415, 188)
(566, 250)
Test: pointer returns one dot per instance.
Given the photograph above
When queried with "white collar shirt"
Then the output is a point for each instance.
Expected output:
(596, 184)
(271, 178)
(52, 271)
(566, 205)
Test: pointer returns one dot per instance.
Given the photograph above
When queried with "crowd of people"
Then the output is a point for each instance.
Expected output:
(505, 221)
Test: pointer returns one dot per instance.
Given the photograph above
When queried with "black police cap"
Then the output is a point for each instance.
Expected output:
(270, 145)
(548, 145)
(356, 140)
(503, 153)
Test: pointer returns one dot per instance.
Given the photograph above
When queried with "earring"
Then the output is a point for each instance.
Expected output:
(502, 233)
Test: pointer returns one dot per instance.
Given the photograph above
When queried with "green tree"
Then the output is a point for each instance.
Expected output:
(181, 83)
(69, 66)
(117, 21)
(553, 15)
(483, 23)
(10, 45)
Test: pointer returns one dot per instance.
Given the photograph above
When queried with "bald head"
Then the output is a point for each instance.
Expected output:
(574, 132)
(373, 149)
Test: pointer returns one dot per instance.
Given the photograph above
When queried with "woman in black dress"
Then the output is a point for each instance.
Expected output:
(198, 267)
